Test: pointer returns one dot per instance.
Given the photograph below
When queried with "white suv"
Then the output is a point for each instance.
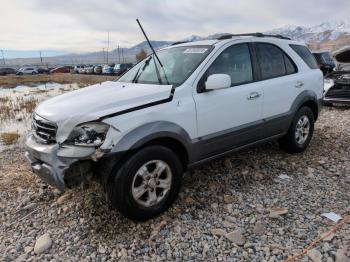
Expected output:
(27, 71)
(205, 99)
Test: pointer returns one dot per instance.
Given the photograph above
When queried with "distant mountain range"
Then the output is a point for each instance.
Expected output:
(325, 36)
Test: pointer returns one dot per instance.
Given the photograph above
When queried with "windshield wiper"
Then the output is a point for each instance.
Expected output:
(138, 73)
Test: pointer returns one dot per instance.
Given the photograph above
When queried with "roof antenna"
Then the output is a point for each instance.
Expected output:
(149, 43)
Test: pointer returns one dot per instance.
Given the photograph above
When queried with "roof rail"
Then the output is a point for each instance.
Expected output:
(180, 42)
(229, 36)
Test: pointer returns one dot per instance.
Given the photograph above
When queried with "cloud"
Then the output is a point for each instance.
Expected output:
(80, 26)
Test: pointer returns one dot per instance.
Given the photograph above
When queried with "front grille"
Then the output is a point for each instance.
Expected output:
(339, 91)
(44, 130)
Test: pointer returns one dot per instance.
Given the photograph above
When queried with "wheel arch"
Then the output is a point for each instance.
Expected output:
(163, 133)
(307, 98)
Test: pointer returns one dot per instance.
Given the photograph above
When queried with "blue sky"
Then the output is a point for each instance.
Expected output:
(81, 26)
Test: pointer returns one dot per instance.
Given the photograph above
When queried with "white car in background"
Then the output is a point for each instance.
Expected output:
(81, 70)
(27, 71)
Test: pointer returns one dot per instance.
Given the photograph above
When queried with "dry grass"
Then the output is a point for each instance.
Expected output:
(9, 138)
(13, 80)
(9, 109)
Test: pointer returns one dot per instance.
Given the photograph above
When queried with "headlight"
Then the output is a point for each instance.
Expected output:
(88, 134)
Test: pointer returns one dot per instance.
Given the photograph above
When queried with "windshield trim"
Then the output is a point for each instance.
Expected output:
(210, 49)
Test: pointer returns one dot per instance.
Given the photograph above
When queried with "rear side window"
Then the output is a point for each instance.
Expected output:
(273, 61)
(306, 55)
(234, 61)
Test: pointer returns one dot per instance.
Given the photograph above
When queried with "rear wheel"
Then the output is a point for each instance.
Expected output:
(146, 184)
(300, 132)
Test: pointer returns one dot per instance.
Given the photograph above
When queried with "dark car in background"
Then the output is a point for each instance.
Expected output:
(42, 70)
(337, 83)
(325, 62)
(120, 69)
(98, 70)
(7, 71)
(61, 69)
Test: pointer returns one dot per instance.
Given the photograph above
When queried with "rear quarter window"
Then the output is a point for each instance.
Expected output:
(306, 55)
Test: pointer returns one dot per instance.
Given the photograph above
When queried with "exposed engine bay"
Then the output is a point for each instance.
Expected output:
(337, 83)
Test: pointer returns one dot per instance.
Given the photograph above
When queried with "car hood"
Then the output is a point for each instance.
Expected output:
(94, 102)
(342, 57)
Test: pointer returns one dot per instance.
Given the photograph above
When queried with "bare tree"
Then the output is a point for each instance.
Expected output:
(141, 55)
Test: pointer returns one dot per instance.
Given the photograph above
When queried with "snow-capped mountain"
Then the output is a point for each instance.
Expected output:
(327, 31)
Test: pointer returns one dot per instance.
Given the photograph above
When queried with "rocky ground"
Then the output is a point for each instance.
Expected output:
(227, 210)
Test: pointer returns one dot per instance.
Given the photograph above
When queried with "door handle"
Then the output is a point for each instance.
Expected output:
(253, 95)
(299, 84)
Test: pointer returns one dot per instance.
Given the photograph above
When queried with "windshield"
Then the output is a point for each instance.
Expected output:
(178, 65)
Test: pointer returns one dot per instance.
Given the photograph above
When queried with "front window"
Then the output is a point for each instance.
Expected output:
(234, 61)
(178, 64)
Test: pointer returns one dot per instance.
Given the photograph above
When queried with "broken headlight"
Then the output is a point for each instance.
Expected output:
(88, 134)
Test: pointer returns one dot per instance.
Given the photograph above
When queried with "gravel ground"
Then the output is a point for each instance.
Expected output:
(223, 212)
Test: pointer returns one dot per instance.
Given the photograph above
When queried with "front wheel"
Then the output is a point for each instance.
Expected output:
(146, 184)
(300, 132)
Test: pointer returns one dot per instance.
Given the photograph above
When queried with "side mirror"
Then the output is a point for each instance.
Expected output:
(218, 81)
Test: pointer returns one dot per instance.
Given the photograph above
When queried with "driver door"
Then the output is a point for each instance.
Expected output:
(230, 117)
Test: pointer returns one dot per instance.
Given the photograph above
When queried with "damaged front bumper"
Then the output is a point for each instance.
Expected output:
(52, 162)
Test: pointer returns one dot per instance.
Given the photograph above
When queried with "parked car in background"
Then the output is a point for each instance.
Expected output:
(325, 62)
(98, 70)
(337, 83)
(89, 69)
(138, 135)
(42, 70)
(77, 68)
(108, 69)
(61, 69)
(7, 71)
(81, 70)
(27, 71)
(120, 69)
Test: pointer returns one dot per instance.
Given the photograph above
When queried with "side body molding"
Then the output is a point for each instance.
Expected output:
(150, 131)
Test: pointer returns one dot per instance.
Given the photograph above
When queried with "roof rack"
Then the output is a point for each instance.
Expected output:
(229, 36)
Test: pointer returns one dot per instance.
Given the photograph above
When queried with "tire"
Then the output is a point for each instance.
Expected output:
(297, 143)
(33, 73)
(128, 180)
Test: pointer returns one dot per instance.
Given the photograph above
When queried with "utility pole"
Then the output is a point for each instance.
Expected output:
(41, 58)
(107, 46)
(3, 57)
(118, 55)
(123, 55)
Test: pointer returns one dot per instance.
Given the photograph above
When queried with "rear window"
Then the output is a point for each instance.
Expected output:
(306, 55)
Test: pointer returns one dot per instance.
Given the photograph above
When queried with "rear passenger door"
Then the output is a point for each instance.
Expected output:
(281, 85)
